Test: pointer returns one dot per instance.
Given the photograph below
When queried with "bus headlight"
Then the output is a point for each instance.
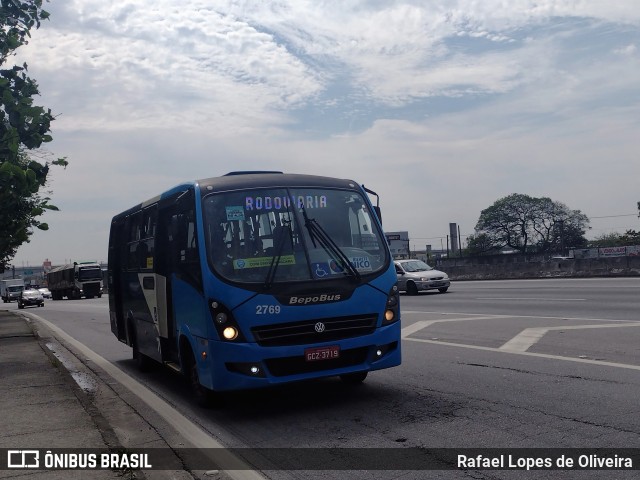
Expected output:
(230, 333)
(224, 322)
(392, 311)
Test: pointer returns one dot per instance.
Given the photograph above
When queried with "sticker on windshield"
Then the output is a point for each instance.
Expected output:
(261, 262)
(335, 267)
(234, 213)
(321, 270)
(361, 263)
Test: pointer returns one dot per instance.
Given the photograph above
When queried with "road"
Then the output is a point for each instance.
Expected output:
(521, 364)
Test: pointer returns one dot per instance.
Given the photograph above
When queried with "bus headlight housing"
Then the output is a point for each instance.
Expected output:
(225, 323)
(392, 309)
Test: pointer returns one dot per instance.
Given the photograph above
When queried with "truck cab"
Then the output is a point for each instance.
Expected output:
(11, 290)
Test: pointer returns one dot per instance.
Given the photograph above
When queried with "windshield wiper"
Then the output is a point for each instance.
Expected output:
(316, 232)
(275, 260)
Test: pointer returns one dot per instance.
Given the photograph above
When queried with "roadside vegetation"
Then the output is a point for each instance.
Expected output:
(531, 225)
(24, 128)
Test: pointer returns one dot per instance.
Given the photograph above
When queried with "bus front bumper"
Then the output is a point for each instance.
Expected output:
(248, 365)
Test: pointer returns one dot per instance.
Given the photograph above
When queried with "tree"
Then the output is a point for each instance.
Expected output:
(631, 237)
(24, 127)
(480, 244)
(532, 225)
(607, 240)
(615, 239)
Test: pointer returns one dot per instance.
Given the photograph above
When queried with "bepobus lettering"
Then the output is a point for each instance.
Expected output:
(319, 299)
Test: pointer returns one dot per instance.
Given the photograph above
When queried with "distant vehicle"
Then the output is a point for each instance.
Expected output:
(10, 289)
(561, 258)
(46, 293)
(31, 297)
(416, 276)
(75, 281)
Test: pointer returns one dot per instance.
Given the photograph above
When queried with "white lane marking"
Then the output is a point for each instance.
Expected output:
(582, 319)
(537, 299)
(529, 354)
(189, 430)
(420, 324)
(529, 337)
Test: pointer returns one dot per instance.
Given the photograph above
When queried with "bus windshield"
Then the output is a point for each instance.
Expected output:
(292, 235)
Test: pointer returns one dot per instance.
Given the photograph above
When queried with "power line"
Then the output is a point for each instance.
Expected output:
(616, 216)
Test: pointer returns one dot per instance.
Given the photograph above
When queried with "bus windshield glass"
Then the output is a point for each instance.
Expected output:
(292, 235)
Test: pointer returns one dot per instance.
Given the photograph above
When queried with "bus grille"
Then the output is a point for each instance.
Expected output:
(280, 367)
(302, 333)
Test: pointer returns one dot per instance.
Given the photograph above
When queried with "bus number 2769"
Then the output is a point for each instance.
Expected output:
(267, 309)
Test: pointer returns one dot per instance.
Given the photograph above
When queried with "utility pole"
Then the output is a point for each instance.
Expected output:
(561, 223)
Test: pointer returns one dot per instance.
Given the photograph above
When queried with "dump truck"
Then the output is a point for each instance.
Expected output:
(75, 281)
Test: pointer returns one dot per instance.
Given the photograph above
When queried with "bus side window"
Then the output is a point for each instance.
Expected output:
(150, 219)
(134, 234)
(184, 247)
(148, 232)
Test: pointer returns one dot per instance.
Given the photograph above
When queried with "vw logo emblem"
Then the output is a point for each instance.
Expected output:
(319, 327)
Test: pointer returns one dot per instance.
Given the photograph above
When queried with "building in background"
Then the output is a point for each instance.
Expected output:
(398, 244)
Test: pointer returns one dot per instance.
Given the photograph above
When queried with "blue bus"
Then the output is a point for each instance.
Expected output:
(254, 279)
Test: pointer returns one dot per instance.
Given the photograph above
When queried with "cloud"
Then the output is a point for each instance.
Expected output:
(441, 107)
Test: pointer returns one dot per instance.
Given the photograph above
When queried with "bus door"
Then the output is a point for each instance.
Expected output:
(114, 281)
(177, 261)
(141, 296)
(164, 265)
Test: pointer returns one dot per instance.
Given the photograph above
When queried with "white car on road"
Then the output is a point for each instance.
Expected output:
(46, 293)
(416, 276)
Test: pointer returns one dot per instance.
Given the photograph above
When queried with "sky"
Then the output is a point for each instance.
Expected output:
(441, 107)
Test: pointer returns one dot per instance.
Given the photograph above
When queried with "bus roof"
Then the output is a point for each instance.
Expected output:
(236, 180)
(248, 179)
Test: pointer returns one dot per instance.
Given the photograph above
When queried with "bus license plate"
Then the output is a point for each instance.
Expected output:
(322, 353)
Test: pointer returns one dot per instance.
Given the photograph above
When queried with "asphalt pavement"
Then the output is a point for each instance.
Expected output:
(47, 401)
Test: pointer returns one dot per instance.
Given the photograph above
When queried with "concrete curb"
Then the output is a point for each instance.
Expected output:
(107, 408)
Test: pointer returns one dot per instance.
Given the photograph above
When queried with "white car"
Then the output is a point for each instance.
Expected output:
(30, 297)
(416, 276)
(46, 293)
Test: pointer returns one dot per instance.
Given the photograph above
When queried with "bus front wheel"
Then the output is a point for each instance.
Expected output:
(203, 396)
